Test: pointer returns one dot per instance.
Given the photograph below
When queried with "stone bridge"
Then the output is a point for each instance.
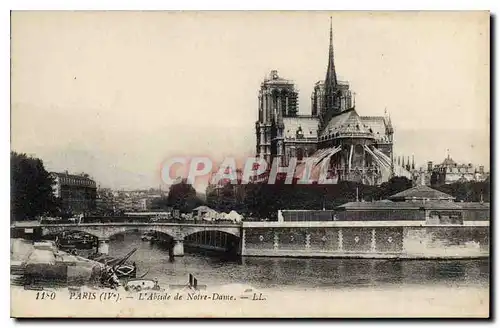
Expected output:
(103, 231)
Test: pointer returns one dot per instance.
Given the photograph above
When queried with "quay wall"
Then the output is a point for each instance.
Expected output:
(381, 239)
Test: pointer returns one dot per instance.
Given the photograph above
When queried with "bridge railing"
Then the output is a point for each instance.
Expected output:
(132, 220)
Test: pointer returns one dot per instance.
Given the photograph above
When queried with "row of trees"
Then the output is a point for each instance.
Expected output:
(468, 191)
(181, 196)
(264, 200)
(31, 194)
(30, 188)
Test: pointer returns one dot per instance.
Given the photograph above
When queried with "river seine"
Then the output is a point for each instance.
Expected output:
(300, 274)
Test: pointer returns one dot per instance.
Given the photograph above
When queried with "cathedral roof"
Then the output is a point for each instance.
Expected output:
(307, 125)
(377, 125)
(346, 123)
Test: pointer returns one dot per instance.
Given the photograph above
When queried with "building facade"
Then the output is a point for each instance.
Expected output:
(77, 193)
(359, 148)
(450, 171)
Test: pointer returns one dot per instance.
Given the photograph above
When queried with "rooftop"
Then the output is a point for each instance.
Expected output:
(421, 192)
(347, 122)
(66, 178)
(305, 126)
(410, 205)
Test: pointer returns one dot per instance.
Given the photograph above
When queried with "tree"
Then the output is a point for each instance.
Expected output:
(393, 186)
(30, 188)
(182, 196)
(472, 191)
(160, 203)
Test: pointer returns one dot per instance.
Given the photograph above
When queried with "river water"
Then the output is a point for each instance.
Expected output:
(301, 274)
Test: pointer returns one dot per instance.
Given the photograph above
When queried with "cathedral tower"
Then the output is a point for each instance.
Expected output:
(277, 100)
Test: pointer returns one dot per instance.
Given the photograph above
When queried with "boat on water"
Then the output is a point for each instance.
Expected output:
(121, 268)
(44, 264)
(148, 236)
(142, 284)
(76, 240)
(128, 270)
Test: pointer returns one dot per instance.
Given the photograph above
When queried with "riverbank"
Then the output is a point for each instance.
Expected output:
(44, 264)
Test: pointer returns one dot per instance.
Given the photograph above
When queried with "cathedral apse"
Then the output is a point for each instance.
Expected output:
(357, 148)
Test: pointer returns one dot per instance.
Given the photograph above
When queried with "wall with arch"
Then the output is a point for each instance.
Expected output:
(105, 231)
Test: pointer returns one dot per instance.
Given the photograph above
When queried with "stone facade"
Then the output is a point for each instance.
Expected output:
(360, 148)
(367, 242)
(77, 193)
(448, 172)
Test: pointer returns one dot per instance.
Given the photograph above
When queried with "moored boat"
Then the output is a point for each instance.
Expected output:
(142, 284)
(122, 270)
(148, 236)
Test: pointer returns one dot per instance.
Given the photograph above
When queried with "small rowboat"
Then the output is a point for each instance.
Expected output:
(121, 268)
(142, 284)
(125, 270)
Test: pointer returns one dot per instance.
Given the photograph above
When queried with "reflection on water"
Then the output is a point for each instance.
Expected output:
(299, 273)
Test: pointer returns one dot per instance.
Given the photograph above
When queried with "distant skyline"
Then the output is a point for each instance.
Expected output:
(114, 94)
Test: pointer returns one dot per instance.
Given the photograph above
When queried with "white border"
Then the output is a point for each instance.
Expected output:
(179, 5)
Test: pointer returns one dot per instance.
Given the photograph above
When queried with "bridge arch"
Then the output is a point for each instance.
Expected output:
(106, 231)
(187, 231)
(54, 231)
(178, 231)
(221, 240)
(141, 229)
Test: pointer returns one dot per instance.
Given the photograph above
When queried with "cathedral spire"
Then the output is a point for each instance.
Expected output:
(331, 97)
(331, 76)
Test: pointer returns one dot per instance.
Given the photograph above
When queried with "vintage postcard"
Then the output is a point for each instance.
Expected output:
(250, 164)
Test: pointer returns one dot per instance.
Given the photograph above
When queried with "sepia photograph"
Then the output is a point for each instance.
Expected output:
(250, 164)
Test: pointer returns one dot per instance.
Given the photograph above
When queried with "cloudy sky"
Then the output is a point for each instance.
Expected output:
(115, 94)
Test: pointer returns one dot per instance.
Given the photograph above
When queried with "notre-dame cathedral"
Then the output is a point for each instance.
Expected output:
(359, 148)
